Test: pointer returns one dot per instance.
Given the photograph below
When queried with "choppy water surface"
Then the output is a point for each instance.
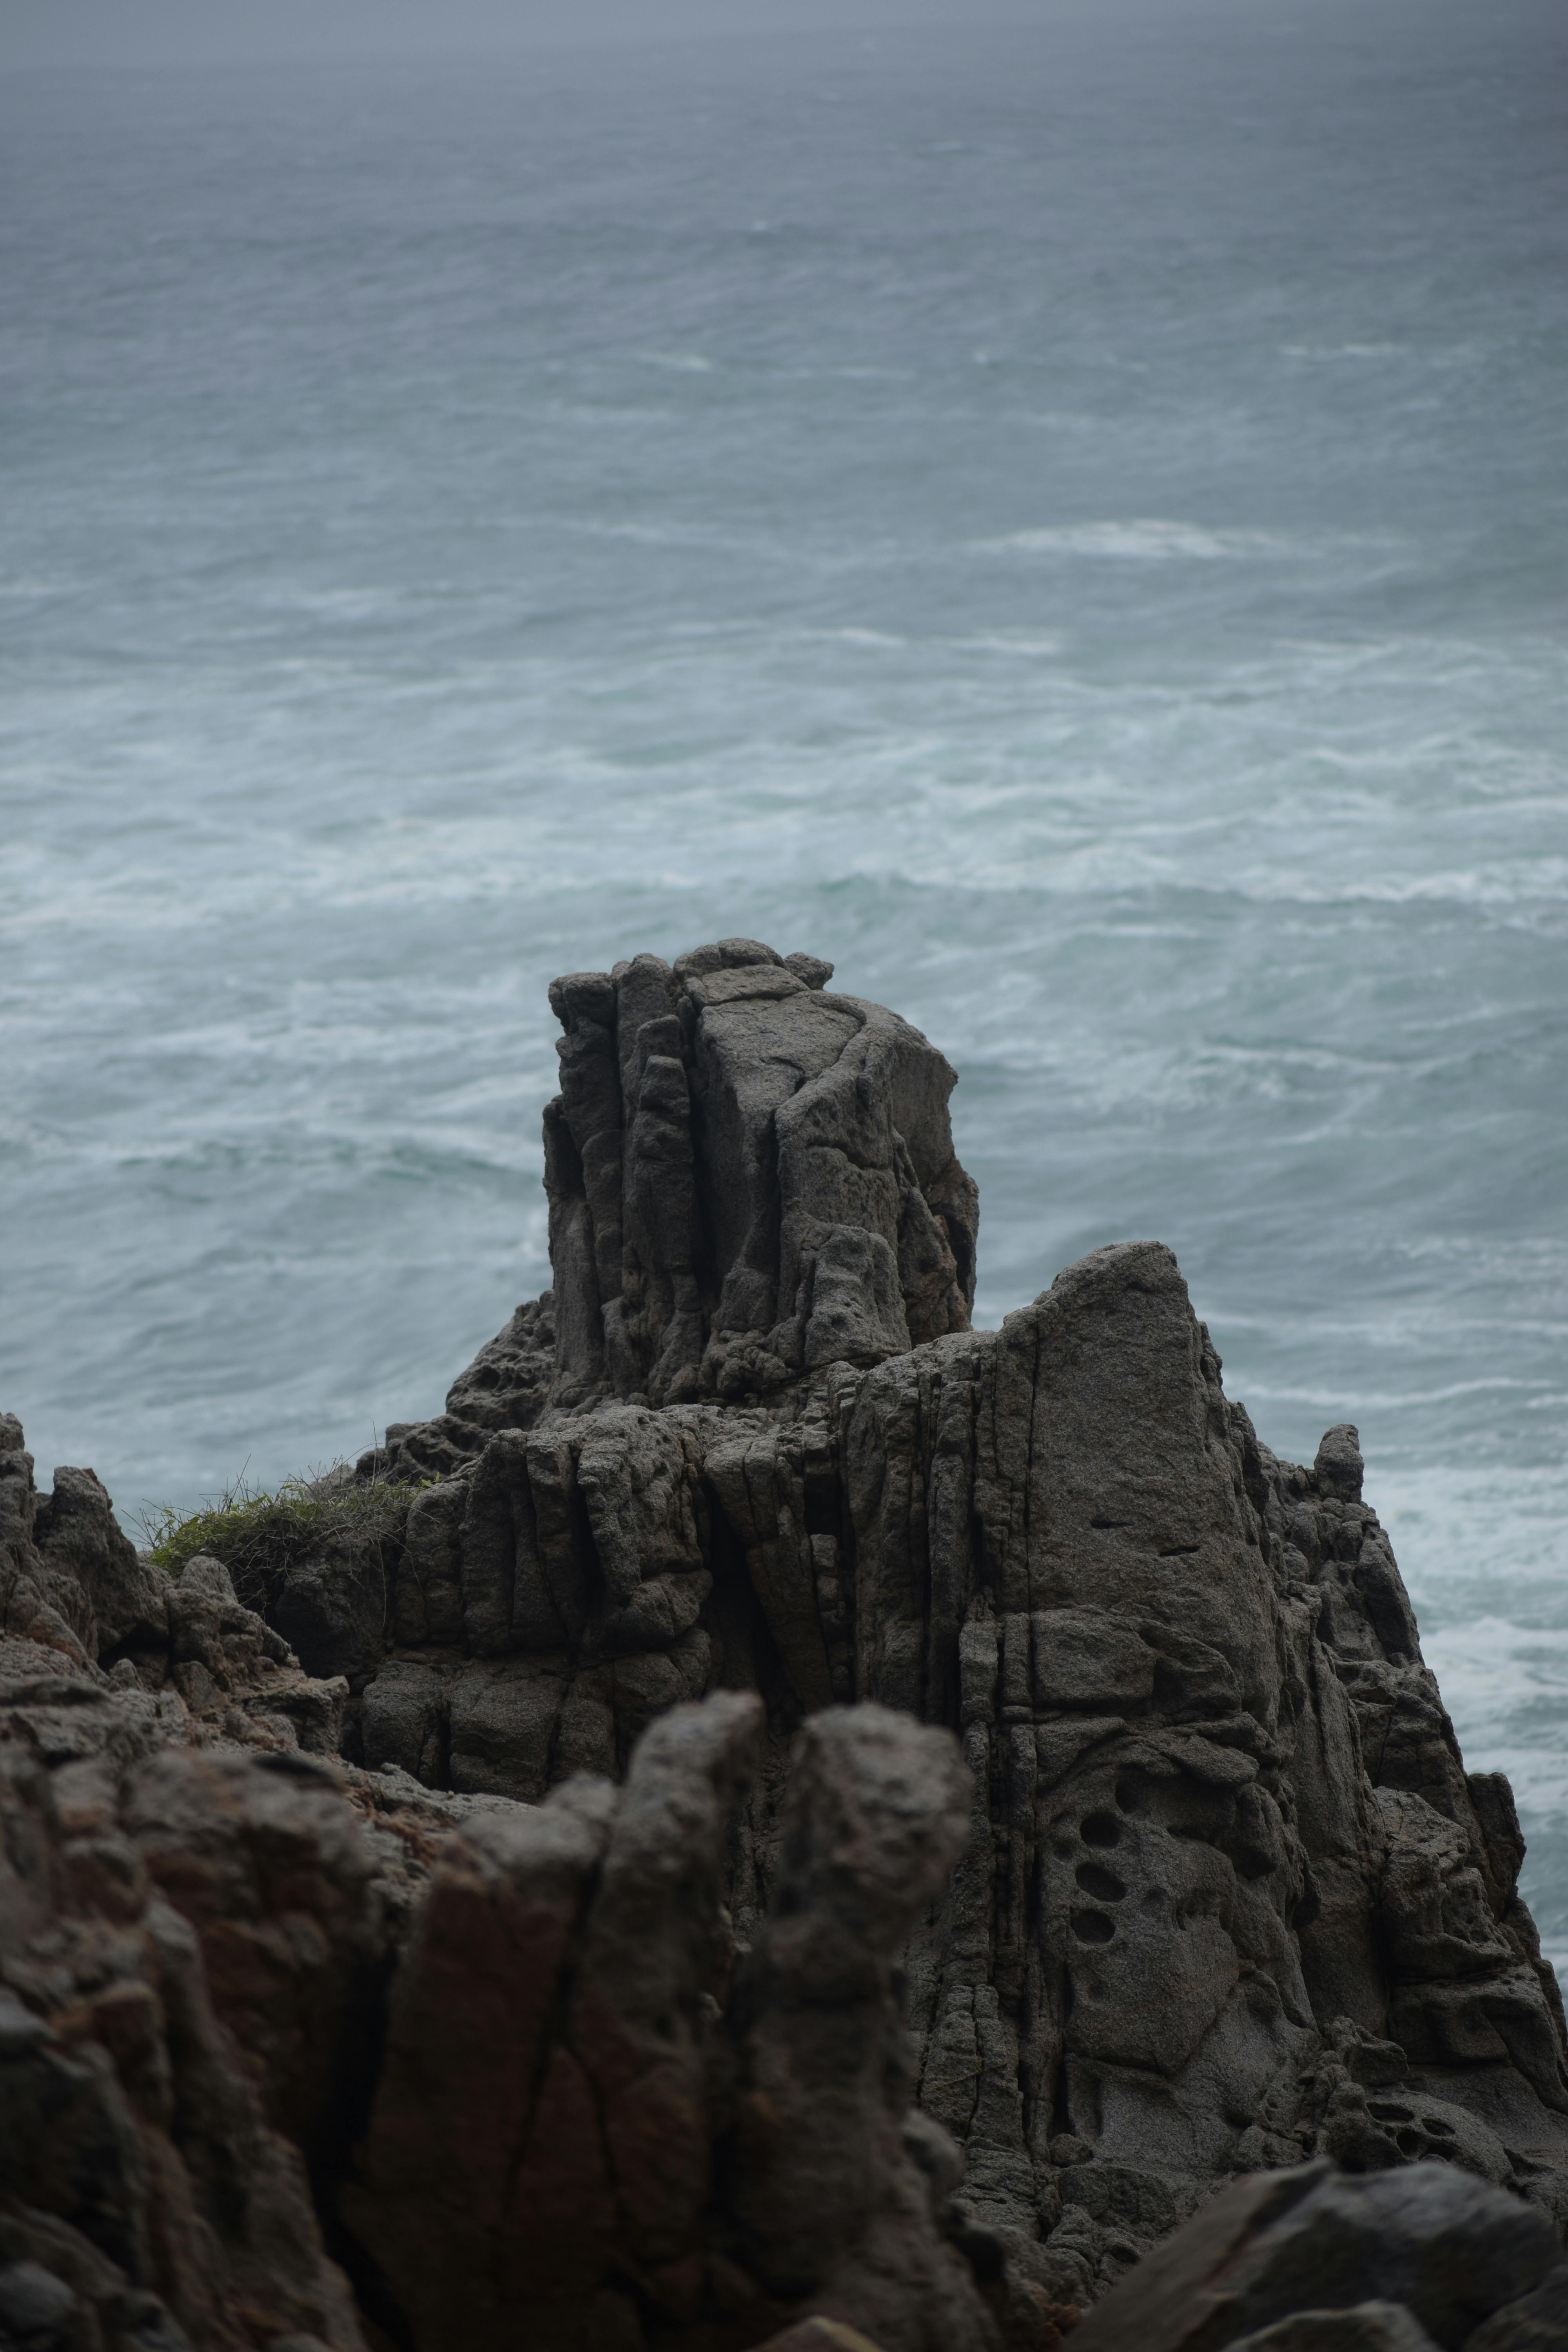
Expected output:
(1066, 522)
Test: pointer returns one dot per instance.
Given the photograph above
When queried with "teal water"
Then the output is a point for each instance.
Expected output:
(1066, 520)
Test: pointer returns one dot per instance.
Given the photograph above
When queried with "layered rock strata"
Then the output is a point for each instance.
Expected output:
(1227, 1898)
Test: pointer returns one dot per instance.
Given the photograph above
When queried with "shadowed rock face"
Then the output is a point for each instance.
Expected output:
(507, 2064)
(1306, 2261)
(1225, 1898)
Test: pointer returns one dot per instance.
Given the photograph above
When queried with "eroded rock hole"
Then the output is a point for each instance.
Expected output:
(1100, 1829)
(1103, 1885)
(1093, 1927)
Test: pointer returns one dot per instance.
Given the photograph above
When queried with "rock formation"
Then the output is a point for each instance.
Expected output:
(1224, 1901)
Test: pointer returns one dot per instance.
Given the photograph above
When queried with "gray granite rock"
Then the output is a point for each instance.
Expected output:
(1223, 1898)
(1231, 1899)
(748, 1176)
(1309, 2258)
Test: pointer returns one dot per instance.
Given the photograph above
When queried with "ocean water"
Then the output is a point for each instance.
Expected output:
(1067, 519)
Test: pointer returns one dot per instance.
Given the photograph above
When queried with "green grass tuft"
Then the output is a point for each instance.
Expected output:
(260, 1534)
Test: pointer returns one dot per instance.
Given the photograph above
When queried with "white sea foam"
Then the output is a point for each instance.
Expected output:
(1023, 645)
(678, 363)
(1343, 350)
(1143, 540)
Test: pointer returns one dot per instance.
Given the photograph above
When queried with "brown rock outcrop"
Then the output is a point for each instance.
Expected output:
(1226, 1900)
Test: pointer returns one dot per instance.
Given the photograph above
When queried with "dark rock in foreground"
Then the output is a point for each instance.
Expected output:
(494, 2041)
(1309, 2261)
(570, 2105)
(594, 2139)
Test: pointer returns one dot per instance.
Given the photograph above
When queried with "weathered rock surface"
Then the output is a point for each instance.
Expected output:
(1309, 2261)
(144, 2157)
(1227, 1901)
(508, 2063)
(507, 1386)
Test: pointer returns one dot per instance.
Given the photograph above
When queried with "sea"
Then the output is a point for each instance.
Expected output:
(1064, 517)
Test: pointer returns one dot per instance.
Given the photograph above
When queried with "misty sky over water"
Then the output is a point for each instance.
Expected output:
(196, 31)
(1062, 513)
(163, 32)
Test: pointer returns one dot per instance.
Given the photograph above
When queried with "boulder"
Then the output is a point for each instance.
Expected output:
(1309, 2258)
(574, 2120)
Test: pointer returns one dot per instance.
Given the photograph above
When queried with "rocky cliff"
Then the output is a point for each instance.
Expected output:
(533, 1995)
